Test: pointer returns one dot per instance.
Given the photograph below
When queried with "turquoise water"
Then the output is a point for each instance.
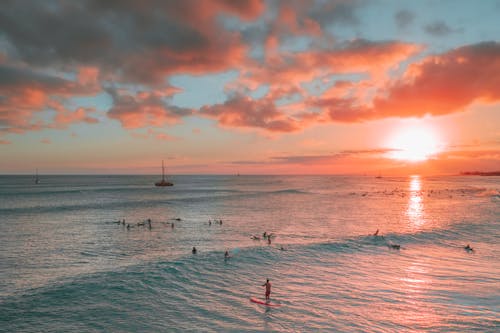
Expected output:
(66, 266)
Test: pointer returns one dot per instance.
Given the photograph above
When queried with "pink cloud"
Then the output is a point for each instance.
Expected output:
(144, 109)
(26, 92)
(241, 111)
(79, 115)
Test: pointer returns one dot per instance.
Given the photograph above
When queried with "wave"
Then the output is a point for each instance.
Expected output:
(206, 292)
(173, 197)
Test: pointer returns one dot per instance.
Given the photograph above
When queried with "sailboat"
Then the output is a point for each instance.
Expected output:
(37, 180)
(163, 182)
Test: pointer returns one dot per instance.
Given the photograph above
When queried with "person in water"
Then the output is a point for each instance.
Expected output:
(376, 233)
(468, 248)
(194, 250)
(268, 289)
(226, 255)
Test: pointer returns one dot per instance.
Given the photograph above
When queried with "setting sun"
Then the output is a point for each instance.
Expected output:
(413, 144)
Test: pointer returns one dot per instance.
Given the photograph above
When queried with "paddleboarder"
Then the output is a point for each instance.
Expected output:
(268, 289)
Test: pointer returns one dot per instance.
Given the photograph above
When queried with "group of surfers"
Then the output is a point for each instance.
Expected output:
(467, 248)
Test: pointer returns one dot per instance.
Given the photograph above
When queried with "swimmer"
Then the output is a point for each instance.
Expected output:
(194, 250)
(264, 235)
(282, 248)
(255, 237)
(468, 248)
(226, 255)
(394, 246)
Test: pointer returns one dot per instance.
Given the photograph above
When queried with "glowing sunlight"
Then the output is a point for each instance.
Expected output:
(413, 144)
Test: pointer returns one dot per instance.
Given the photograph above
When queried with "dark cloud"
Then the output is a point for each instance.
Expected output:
(113, 35)
(438, 29)
(404, 18)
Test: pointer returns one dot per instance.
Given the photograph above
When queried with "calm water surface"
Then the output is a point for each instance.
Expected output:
(66, 265)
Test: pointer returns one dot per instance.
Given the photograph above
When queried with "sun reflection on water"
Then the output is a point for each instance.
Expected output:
(415, 202)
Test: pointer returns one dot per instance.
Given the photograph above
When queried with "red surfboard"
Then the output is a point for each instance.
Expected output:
(258, 301)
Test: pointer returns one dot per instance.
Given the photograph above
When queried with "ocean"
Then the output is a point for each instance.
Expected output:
(67, 265)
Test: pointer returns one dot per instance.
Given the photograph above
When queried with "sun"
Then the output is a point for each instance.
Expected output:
(413, 144)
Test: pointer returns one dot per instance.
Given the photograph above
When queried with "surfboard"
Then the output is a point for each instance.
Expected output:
(258, 301)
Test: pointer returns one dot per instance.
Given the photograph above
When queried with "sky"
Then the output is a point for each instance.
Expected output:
(249, 87)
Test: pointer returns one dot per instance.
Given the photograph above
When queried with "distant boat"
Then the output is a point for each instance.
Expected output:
(163, 182)
(37, 180)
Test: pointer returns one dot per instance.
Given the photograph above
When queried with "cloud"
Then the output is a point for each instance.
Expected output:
(438, 29)
(54, 51)
(25, 92)
(324, 159)
(127, 40)
(241, 111)
(438, 85)
(144, 108)
(445, 83)
(404, 18)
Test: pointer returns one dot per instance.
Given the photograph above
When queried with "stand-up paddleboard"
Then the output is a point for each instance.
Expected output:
(258, 301)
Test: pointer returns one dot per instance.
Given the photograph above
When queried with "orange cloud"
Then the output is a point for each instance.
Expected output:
(446, 83)
(438, 85)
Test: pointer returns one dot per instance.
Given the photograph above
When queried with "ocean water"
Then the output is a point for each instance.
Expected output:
(67, 266)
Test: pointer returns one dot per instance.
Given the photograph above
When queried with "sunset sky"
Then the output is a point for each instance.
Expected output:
(250, 87)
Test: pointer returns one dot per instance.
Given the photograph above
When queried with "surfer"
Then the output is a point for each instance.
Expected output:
(226, 255)
(194, 250)
(394, 246)
(268, 289)
(376, 233)
(468, 248)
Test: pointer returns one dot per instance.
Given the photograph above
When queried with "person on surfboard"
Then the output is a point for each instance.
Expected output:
(268, 289)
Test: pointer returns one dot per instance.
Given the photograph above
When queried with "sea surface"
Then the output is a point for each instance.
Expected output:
(66, 265)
